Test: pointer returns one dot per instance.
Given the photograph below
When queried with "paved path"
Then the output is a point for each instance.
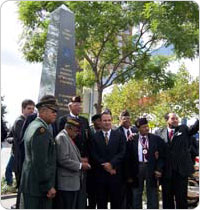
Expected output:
(8, 200)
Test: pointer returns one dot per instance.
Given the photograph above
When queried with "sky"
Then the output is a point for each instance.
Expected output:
(21, 80)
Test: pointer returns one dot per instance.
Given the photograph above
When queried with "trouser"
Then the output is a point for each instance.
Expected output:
(151, 189)
(82, 196)
(174, 192)
(109, 188)
(9, 170)
(69, 199)
(91, 190)
(127, 196)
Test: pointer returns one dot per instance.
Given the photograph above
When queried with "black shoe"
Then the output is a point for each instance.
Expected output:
(13, 206)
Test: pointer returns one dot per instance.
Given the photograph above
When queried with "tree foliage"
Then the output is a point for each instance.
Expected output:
(105, 39)
(139, 98)
(3, 108)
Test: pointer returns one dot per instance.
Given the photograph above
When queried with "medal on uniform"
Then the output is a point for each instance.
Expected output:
(144, 151)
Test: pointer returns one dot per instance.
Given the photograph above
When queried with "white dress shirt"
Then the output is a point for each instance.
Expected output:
(75, 116)
(140, 154)
(125, 131)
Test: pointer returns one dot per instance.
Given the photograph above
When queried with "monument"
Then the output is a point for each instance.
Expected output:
(59, 69)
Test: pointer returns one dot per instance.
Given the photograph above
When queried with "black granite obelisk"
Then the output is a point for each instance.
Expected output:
(59, 69)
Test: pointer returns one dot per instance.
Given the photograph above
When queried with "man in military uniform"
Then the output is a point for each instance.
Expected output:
(39, 167)
(82, 140)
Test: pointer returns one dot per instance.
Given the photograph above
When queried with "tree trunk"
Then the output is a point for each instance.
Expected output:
(99, 100)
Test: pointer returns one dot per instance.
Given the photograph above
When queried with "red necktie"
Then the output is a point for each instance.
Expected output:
(171, 133)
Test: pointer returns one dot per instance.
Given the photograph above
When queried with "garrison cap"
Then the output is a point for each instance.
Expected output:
(141, 121)
(48, 101)
(74, 122)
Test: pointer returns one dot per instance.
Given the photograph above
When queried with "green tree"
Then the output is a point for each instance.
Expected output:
(184, 94)
(3, 108)
(104, 35)
(140, 96)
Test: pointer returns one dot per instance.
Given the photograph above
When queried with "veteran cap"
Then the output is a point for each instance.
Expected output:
(72, 121)
(141, 121)
(48, 101)
(76, 99)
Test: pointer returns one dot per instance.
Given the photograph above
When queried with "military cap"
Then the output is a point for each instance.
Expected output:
(72, 121)
(141, 121)
(124, 113)
(48, 101)
(95, 117)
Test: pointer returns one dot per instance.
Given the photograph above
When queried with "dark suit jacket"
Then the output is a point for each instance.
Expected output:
(82, 141)
(15, 133)
(132, 161)
(114, 153)
(120, 128)
(177, 152)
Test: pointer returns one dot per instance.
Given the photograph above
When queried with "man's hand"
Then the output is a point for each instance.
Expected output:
(85, 166)
(112, 172)
(107, 166)
(51, 193)
(158, 174)
(130, 138)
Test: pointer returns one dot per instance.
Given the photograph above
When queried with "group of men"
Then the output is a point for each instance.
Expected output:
(68, 162)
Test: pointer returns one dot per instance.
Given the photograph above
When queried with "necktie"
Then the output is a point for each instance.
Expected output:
(128, 134)
(106, 137)
(143, 140)
(171, 133)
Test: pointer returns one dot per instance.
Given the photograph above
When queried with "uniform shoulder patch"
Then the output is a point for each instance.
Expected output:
(42, 130)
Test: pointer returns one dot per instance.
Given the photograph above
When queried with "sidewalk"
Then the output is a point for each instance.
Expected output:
(5, 155)
(8, 200)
